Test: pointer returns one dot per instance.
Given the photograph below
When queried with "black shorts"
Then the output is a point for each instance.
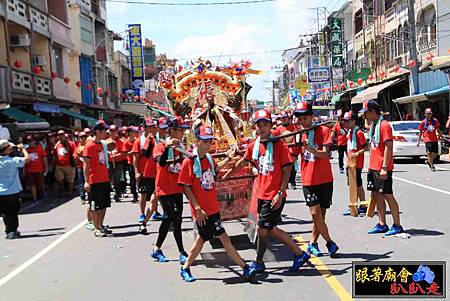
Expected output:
(321, 194)
(172, 205)
(374, 182)
(432, 147)
(268, 217)
(100, 196)
(359, 182)
(146, 185)
(213, 228)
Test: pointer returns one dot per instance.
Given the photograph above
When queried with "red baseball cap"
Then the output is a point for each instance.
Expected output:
(162, 123)
(87, 130)
(428, 111)
(284, 113)
(350, 116)
(204, 132)
(369, 104)
(61, 132)
(112, 127)
(82, 134)
(302, 108)
(148, 122)
(263, 114)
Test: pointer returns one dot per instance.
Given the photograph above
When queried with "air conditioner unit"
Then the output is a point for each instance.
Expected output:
(21, 40)
(39, 60)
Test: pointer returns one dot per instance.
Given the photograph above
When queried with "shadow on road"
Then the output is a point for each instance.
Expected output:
(424, 232)
(22, 236)
(45, 206)
(365, 256)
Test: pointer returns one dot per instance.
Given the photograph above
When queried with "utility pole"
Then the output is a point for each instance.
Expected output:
(414, 72)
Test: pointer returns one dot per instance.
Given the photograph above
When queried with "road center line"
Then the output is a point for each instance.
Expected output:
(39, 255)
(332, 281)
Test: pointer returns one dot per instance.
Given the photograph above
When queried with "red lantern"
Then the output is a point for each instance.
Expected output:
(370, 77)
(350, 83)
(66, 80)
(53, 75)
(88, 87)
(107, 92)
(79, 83)
(430, 57)
(37, 70)
(360, 81)
(342, 86)
(116, 94)
(99, 90)
(382, 74)
(336, 87)
(412, 63)
(329, 89)
(18, 64)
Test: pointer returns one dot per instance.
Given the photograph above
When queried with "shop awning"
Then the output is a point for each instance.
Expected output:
(336, 98)
(91, 121)
(159, 111)
(46, 107)
(21, 116)
(438, 91)
(372, 92)
(421, 97)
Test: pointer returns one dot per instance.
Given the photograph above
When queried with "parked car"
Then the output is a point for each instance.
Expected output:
(406, 134)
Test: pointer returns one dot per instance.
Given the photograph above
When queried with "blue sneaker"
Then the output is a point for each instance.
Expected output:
(394, 230)
(378, 229)
(256, 268)
(141, 218)
(246, 273)
(159, 256)
(314, 249)
(186, 275)
(362, 210)
(157, 216)
(183, 257)
(299, 261)
(332, 248)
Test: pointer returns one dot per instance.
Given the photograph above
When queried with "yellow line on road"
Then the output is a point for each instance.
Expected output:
(337, 287)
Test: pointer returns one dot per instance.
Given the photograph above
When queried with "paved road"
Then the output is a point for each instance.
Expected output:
(57, 259)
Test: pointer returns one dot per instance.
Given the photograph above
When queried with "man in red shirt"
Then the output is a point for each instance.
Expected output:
(36, 167)
(274, 163)
(145, 167)
(127, 149)
(168, 169)
(64, 163)
(339, 133)
(97, 184)
(317, 177)
(356, 145)
(197, 178)
(379, 177)
(430, 129)
(116, 166)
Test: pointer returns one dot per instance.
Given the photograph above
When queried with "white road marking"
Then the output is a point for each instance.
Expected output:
(39, 255)
(421, 185)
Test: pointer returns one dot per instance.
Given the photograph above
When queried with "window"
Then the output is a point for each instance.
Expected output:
(57, 61)
(427, 25)
(86, 29)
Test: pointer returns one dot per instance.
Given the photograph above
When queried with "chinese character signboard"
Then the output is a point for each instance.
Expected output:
(319, 75)
(337, 50)
(396, 279)
(136, 56)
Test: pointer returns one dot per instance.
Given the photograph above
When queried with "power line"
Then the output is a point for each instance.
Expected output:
(191, 3)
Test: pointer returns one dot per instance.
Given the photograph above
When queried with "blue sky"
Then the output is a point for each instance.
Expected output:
(188, 32)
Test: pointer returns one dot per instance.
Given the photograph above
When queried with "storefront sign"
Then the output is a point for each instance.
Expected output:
(319, 75)
(136, 56)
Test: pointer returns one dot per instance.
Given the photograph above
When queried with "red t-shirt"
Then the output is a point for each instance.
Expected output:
(98, 173)
(118, 156)
(204, 188)
(429, 130)
(341, 134)
(377, 152)
(36, 163)
(126, 148)
(167, 175)
(360, 144)
(63, 153)
(146, 166)
(315, 171)
(269, 177)
(79, 154)
(281, 128)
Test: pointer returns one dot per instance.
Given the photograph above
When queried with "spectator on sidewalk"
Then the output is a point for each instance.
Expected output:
(36, 168)
(10, 186)
(64, 163)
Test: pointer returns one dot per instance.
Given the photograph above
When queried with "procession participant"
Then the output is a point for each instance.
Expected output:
(356, 145)
(428, 128)
(127, 149)
(447, 124)
(379, 177)
(116, 167)
(317, 176)
(97, 184)
(145, 167)
(79, 158)
(338, 132)
(36, 168)
(274, 164)
(10, 186)
(197, 178)
(49, 147)
(170, 196)
(123, 134)
(64, 163)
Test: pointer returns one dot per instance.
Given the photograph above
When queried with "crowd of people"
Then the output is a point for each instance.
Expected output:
(152, 160)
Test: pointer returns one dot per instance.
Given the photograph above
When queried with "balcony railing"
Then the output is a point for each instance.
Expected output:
(43, 85)
(27, 83)
(425, 45)
(40, 22)
(17, 12)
